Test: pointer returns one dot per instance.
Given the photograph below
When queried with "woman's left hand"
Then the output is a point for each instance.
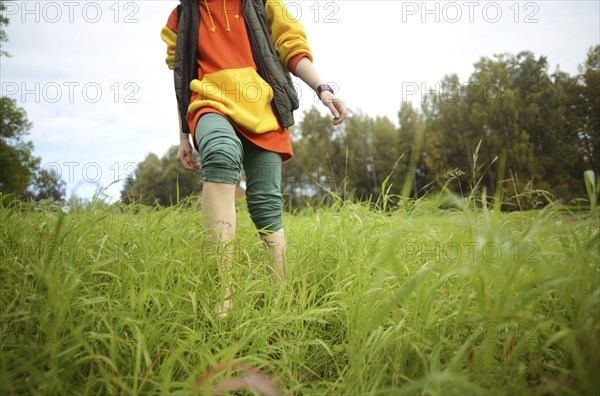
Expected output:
(335, 105)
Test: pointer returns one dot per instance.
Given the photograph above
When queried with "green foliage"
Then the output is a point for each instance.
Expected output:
(17, 162)
(47, 185)
(3, 21)
(160, 181)
(313, 170)
(120, 300)
(585, 110)
(512, 106)
(14, 123)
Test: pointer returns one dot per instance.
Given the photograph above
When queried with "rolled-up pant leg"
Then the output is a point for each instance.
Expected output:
(263, 187)
(221, 151)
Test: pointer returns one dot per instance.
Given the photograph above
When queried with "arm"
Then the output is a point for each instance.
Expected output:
(307, 73)
(168, 34)
(289, 39)
(185, 152)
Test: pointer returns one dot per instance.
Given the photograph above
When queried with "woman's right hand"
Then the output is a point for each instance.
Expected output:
(185, 156)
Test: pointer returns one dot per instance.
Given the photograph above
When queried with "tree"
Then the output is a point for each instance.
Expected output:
(47, 185)
(411, 147)
(360, 169)
(519, 113)
(314, 169)
(450, 136)
(3, 36)
(386, 154)
(585, 111)
(17, 163)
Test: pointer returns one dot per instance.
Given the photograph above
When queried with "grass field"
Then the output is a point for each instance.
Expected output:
(120, 300)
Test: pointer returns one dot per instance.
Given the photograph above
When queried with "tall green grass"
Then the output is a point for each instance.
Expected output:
(120, 300)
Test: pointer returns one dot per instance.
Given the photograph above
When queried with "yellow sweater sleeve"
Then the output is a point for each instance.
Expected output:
(170, 38)
(287, 33)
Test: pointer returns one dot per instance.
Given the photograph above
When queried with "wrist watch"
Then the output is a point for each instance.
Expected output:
(323, 87)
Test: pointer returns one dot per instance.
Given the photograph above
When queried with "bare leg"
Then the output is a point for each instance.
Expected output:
(276, 246)
(218, 208)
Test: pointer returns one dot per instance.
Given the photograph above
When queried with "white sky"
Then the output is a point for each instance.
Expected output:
(92, 78)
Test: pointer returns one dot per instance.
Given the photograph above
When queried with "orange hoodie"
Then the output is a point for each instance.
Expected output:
(228, 83)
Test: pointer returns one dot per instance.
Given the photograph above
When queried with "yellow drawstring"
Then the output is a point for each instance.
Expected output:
(226, 18)
(213, 28)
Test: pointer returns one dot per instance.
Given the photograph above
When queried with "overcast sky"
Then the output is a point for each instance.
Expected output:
(92, 78)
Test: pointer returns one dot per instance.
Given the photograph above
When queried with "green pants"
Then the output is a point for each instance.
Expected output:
(223, 152)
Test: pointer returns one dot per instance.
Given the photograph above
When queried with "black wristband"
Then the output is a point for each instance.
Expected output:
(323, 87)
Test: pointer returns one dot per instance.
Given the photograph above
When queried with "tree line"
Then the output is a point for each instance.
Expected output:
(512, 128)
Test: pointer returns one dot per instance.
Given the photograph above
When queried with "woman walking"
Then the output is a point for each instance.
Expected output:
(237, 118)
